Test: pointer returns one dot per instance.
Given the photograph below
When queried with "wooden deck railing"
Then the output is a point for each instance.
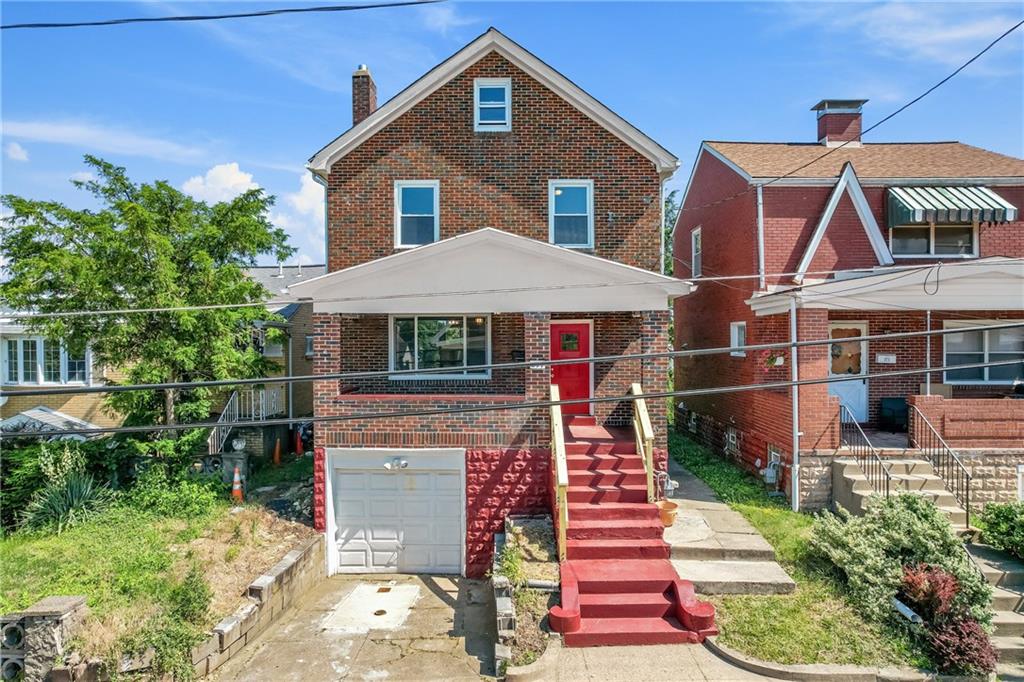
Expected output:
(644, 433)
(561, 472)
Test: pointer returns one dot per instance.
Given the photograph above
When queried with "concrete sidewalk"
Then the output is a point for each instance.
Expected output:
(636, 663)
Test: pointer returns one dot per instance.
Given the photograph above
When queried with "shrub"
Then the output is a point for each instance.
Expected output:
(929, 590)
(1004, 527)
(66, 502)
(154, 492)
(961, 647)
(871, 550)
(190, 599)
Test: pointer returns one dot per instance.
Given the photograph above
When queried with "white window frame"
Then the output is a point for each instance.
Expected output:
(399, 184)
(589, 185)
(950, 324)
(505, 83)
(734, 341)
(309, 345)
(696, 254)
(692, 425)
(438, 376)
(38, 380)
(732, 440)
(931, 242)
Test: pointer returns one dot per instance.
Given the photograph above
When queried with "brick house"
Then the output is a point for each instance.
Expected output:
(490, 213)
(872, 239)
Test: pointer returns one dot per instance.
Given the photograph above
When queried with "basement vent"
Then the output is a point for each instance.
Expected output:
(731, 440)
(693, 422)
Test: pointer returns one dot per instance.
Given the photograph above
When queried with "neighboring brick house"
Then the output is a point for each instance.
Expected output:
(488, 208)
(846, 245)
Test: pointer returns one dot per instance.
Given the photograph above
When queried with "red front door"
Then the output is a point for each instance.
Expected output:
(571, 340)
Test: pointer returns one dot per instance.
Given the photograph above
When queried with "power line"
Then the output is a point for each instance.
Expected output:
(215, 17)
(286, 421)
(694, 352)
(833, 150)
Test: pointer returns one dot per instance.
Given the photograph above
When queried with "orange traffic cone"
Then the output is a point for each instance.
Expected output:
(298, 443)
(236, 487)
(277, 453)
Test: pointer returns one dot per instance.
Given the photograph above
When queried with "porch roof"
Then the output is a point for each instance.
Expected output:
(994, 283)
(490, 271)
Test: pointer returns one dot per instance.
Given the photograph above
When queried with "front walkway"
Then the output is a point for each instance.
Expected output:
(635, 663)
(394, 627)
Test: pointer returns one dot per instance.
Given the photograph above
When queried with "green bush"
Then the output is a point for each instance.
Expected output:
(20, 479)
(1004, 527)
(870, 552)
(70, 500)
(155, 492)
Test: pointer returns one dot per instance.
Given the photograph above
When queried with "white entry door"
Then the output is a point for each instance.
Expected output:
(849, 358)
(405, 521)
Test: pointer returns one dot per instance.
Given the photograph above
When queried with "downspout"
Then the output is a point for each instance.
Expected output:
(661, 199)
(760, 237)
(795, 400)
(291, 384)
(928, 352)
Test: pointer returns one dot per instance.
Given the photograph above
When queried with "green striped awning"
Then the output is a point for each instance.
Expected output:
(948, 205)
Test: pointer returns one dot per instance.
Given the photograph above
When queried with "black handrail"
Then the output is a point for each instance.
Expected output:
(943, 459)
(867, 457)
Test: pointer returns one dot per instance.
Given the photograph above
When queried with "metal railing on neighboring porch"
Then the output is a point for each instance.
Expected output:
(867, 457)
(644, 433)
(560, 467)
(254, 404)
(943, 459)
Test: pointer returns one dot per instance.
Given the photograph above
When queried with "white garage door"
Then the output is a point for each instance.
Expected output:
(398, 521)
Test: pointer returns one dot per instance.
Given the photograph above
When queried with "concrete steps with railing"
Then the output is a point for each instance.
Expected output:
(852, 490)
(1006, 575)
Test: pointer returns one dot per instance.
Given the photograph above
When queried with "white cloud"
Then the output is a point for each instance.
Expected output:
(223, 182)
(105, 139)
(444, 18)
(302, 217)
(82, 176)
(15, 152)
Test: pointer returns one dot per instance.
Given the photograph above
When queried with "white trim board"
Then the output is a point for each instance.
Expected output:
(493, 41)
(847, 183)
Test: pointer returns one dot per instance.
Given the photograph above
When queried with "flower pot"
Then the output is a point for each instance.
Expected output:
(667, 511)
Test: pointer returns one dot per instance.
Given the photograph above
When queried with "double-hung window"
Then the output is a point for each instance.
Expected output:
(417, 212)
(492, 105)
(571, 213)
(939, 241)
(34, 360)
(696, 252)
(738, 338)
(993, 345)
(456, 344)
(309, 345)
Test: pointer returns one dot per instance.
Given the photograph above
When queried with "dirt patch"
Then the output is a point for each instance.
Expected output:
(239, 548)
(536, 542)
(531, 627)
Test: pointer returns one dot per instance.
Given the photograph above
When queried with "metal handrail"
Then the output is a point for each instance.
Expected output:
(944, 460)
(219, 434)
(560, 467)
(866, 455)
(644, 433)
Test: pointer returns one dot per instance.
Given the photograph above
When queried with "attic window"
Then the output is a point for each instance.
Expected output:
(492, 104)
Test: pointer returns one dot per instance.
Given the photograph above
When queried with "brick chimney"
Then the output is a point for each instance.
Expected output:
(364, 94)
(839, 120)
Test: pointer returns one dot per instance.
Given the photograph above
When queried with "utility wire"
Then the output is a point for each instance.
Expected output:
(286, 421)
(695, 352)
(216, 17)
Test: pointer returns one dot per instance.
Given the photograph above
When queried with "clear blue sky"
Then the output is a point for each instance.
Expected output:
(184, 102)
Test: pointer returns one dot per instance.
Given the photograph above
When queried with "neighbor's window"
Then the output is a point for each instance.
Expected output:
(417, 207)
(309, 345)
(571, 213)
(455, 342)
(933, 240)
(696, 252)
(993, 345)
(492, 104)
(738, 338)
(33, 360)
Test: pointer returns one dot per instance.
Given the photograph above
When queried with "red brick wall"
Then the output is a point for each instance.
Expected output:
(845, 243)
(974, 423)
(839, 127)
(493, 179)
(500, 482)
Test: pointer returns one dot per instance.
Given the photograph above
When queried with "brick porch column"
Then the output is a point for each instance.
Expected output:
(654, 326)
(326, 360)
(819, 414)
(537, 380)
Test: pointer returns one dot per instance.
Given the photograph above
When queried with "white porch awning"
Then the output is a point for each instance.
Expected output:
(994, 283)
(490, 271)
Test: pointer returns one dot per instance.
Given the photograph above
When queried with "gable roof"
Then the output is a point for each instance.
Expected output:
(493, 41)
(922, 160)
(489, 271)
(848, 183)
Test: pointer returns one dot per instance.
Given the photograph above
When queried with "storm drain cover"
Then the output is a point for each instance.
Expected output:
(379, 612)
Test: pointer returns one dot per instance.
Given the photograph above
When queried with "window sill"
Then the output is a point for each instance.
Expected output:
(493, 130)
(406, 247)
(951, 256)
(440, 377)
(738, 354)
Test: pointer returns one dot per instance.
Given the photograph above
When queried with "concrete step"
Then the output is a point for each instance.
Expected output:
(999, 568)
(649, 548)
(603, 478)
(603, 462)
(1011, 649)
(1008, 624)
(735, 577)
(595, 494)
(612, 510)
(721, 546)
(1008, 599)
(626, 605)
(628, 631)
(608, 529)
(895, 465)
(629, 575)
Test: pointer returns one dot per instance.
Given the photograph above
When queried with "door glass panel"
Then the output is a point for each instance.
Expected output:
(570, 341)
(846, 355)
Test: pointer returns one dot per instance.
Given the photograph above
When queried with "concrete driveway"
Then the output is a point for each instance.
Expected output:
(400, 627)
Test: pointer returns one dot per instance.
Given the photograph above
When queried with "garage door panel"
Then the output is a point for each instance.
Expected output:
(418, 534)
(416, 508)
(448, 508)
(348, 480)
(413, 481)
(386, 507)
(450, 556)
(384, 481)
(349, 508)
(448, 482)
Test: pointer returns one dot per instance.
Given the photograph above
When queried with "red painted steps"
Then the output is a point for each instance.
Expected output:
(580, 511)
(604, 478)
(623, 529)
(630, 631)
(606, 493)
(627, 605)
(648, 548)
(604, 462)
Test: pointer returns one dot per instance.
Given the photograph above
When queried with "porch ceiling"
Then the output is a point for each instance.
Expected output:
(490, 271)
(985, 284)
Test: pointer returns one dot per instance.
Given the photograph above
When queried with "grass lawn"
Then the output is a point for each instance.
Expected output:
(814, 624)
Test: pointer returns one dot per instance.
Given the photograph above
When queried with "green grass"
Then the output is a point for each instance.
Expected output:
(814, 624)
(292, 469)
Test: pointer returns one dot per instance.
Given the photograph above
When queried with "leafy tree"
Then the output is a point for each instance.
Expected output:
(671, 212)
(146, 246)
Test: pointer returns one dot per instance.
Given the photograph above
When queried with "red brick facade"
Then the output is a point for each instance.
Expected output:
(976, 423)
(839, 127)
